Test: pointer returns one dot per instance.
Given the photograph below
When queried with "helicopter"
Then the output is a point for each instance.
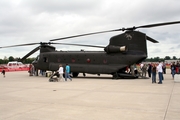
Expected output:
(123, 50)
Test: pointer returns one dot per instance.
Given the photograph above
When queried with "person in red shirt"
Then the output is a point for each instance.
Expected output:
(3, 72)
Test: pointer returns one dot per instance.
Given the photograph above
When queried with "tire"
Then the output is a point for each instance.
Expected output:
(75, 74)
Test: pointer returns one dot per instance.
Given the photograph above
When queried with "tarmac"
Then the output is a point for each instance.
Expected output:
(24, 97)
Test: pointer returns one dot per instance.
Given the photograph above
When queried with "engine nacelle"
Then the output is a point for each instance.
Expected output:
(115, 49)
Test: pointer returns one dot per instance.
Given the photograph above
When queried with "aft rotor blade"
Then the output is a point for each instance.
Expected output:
(158, 24)
(79, 45)
(151, 39)
(19, 45)
(30, 53)
(86, 34)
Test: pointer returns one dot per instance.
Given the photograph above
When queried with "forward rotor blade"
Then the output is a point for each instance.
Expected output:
(158, 24)
(30, 53)
(19, 45)
(79, 45)
(86, 34)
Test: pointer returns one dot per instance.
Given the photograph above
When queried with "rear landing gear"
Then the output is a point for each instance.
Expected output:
(115, 76)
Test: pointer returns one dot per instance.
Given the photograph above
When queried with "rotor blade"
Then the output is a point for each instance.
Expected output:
(30, 53)
(19, 45)
(158, 24)
(130, 28)
(151, 39)
(79, 45)
(86, 34)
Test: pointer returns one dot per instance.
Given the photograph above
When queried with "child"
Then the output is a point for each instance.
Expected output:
(3, 72)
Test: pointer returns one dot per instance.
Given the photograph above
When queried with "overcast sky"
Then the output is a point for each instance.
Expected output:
(29, 21)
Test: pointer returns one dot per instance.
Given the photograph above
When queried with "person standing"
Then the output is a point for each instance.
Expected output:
(149, 69)
(173, 69)
(164, 68)
(177, 67)
(144, 70)
(160, 72)
(135, 70)
(67, 72)
(132, 69)
(61, 71)
(141, 65)
(153, 73)
(3, 72)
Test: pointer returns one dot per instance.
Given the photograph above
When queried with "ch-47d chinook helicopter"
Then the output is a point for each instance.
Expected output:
(123, 50)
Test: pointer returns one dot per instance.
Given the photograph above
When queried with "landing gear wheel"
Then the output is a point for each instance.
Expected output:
(75, 74)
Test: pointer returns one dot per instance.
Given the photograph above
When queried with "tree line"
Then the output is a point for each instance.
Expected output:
(157, 59)
(11, 58)
(30, 60)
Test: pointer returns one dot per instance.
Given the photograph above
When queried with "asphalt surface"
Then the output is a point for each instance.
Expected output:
(24, 97)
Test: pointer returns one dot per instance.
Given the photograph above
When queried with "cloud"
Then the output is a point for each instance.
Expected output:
(178, 46)
(27, 21)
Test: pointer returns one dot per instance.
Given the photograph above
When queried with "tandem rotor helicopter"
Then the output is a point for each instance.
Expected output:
(123, 50)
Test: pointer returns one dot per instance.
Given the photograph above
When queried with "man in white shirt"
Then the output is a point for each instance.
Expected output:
(61, 71)
(141, 65)
(160, 72)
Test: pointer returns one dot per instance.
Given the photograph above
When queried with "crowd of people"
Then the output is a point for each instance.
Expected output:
(153, 68)
(61, 74)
